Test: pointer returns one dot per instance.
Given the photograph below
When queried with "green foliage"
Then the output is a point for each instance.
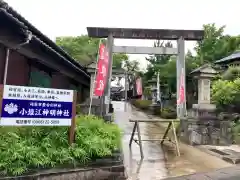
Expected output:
(131, 66)
(168, 113)
(82, 48)
(118, 59)
(85, 49)
(215, 44)
(147, 91)
(226, 94)
(142, 104)
(236, 130)
(231, 74)
(157, 62)
(160, 59)
(26, 149)
(78, 109)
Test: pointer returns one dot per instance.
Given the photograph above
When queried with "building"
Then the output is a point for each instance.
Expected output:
(232, 60)
(29, 58)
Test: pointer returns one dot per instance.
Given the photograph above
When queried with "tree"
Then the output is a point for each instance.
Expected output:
(131, 66)
(157, 62)
(85, 49)
(160, 59)
(231, 74)
(133, 70)
(82, 48)
(215, 44)
(226, 94)
(118, 59)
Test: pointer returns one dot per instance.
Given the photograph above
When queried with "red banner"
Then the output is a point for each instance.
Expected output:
(181, 90)
(102, 70)
(139, 86)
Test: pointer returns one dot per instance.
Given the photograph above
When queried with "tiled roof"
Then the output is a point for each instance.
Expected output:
(231, 57)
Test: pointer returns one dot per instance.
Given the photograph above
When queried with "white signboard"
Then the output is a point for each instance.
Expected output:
(34, 106)
(118, 106)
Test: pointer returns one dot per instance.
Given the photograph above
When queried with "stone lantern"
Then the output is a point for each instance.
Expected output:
(155, 106)
(96, 102)
(91, 68)
(153, 86)
(204, 74)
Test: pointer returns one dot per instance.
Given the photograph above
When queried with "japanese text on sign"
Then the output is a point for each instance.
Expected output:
(36, 106)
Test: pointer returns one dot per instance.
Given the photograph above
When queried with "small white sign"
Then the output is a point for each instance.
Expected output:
(118, 106)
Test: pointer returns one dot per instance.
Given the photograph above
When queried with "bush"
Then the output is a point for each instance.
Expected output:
(142, 104)
(231, 74)
(78, 109)
(26, 149)
(236, 131)
(168, 113)
(226, 94)
(147, 92)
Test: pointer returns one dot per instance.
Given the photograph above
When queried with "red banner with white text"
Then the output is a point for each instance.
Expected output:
(139, 86)
(102, 71)
(181, 97)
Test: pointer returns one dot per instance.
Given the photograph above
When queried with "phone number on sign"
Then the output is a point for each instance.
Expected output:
(38, 122)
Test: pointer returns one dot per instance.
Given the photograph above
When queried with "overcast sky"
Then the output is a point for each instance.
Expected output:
(71, 17)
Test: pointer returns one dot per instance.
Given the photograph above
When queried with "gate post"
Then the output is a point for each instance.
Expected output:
(110, 43)
(181, 108)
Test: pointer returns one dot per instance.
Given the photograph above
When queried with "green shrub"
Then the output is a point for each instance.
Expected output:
(147, 92)
(78, 109)
(231, 74)
(236, 131)
(142, 104)
(226, 94)
(26, 149)
(168, 113)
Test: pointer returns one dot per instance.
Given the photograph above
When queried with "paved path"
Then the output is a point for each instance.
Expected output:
(159, 162)
(230, 173)
(153, 165)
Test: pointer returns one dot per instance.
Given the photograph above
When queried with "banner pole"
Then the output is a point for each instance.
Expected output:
(94, 79)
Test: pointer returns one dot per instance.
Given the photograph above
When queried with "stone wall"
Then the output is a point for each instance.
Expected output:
(100, 173)
(206, 132)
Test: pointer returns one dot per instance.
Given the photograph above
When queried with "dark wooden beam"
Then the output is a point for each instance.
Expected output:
(155, 34)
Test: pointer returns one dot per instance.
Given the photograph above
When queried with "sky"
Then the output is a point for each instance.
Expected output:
(70, 18)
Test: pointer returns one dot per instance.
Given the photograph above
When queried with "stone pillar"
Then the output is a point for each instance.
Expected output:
(110, 43)
(204, 91)
(181, 108)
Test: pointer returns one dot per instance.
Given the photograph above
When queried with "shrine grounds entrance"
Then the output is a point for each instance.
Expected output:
(152, 34)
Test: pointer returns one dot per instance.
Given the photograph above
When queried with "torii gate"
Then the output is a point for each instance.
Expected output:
(151, 34)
